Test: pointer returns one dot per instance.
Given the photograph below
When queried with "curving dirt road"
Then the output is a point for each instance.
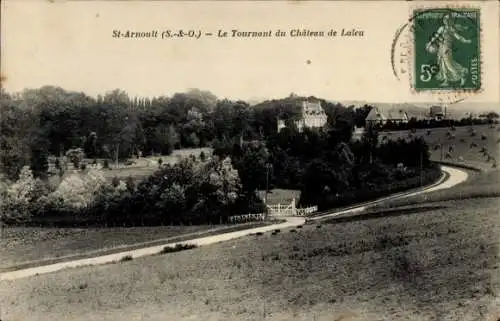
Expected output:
(454, 177)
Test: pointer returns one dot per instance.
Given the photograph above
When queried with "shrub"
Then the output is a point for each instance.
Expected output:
(75, 156)
(16, 197)
(130, 184)
(78, 191)
(177, 248)
(115, 181)
(105, 164)
(126, 258)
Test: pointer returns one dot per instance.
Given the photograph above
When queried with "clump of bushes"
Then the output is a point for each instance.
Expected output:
(126, 258)
(189, 192)
(177, 248)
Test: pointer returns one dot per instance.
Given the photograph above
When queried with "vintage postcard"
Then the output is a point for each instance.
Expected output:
(249, 160)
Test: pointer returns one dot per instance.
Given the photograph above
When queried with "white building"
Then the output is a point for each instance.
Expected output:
(437, 112)
(313, 116)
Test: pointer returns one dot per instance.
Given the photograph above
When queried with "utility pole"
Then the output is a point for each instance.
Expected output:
(441, 144)
(268, 167)
(421, 166)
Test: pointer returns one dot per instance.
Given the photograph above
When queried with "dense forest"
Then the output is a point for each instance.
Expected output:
(51, 120)
(249, 154)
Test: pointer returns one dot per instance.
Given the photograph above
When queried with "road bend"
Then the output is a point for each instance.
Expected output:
(454, 177)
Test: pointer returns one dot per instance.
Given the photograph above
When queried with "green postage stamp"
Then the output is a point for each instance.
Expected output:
(446, 49)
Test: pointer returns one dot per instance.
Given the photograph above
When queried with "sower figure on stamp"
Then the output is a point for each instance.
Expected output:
(441, 44)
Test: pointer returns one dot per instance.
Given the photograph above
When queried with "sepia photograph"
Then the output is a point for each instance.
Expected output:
(249, 160)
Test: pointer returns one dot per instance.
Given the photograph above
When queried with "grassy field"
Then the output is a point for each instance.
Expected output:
(24, 245)
(435, 261)
(466, 145)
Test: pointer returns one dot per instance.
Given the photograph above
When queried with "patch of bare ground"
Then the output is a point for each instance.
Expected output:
(439, 263)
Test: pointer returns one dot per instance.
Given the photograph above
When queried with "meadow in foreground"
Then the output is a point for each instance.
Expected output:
(438, 263)
(31, 246)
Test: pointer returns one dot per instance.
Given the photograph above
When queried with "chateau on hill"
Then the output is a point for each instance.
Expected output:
(312, 116)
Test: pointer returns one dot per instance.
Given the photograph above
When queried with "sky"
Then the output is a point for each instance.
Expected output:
(70, 44)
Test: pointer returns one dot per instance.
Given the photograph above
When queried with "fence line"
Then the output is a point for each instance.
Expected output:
(290, 210)
(306, 211)
(247, 218)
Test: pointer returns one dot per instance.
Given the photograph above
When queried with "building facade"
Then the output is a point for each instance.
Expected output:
(377, 117)
(312, 116)
(437, 113)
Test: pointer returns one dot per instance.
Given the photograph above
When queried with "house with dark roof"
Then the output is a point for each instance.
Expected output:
(398, 116)
(377, 117)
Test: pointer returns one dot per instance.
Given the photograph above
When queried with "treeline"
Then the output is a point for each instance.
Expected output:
(325, 164)
(48, 121)
(328, 167)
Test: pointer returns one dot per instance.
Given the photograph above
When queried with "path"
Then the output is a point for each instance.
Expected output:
(456, 176)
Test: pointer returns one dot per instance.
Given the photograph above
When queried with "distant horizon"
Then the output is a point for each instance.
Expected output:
(70, 44)
(256, 100)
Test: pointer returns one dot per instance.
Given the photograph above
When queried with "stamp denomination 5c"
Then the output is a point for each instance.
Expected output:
(446, 49)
